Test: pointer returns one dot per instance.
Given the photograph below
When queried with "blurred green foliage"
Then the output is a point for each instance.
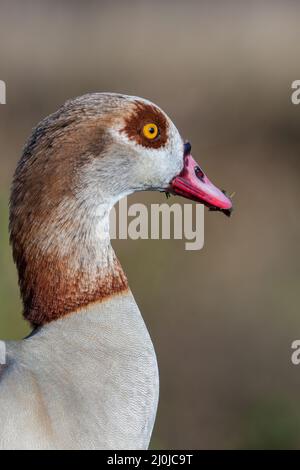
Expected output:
(271, 424)
(12, 324)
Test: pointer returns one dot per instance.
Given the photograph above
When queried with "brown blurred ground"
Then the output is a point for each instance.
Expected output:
(222, 319)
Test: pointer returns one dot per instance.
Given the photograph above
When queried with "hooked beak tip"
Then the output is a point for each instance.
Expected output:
(192, 183)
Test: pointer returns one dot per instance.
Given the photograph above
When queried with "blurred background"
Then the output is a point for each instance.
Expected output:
(222, 319)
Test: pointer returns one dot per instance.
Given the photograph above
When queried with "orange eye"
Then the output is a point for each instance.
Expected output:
(150, 131)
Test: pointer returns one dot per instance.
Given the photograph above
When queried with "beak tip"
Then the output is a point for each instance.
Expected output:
(193, 184)
(228, 212)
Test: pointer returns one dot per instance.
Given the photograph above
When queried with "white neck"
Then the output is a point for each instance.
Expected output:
(91, 370)
(97, 377)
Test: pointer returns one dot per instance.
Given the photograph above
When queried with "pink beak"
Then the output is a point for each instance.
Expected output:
(193, 184)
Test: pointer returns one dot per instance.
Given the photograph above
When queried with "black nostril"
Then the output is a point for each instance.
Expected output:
(199, 173)
(187, 148)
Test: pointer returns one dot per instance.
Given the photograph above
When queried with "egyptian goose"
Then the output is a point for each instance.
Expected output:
(87, 376)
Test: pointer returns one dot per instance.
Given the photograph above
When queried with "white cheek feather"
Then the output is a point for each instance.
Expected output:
(154, 167)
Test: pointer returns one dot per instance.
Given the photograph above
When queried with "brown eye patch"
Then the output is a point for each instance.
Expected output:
(141, 115)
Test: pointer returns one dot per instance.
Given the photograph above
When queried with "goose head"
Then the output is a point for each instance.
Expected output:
(136, 147)
(76, 165)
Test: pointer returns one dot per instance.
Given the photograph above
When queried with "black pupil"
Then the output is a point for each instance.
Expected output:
(151, 130)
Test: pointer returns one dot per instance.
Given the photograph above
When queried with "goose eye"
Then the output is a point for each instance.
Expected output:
(150, 131)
